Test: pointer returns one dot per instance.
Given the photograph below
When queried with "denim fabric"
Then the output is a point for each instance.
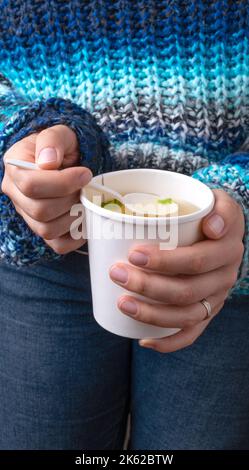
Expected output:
(66, 383)
(196, 398)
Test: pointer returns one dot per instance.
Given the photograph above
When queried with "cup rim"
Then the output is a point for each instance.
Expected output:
(138, 219)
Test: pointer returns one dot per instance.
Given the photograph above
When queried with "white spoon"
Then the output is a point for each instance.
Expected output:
(138, 203)
(22, 164)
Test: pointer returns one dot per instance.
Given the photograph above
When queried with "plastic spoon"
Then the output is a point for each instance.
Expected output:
(23, 164)
(138, 203)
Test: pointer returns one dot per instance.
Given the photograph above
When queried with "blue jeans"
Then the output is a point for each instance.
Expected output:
(66, 383)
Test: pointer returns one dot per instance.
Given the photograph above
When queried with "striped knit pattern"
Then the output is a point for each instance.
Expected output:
(166, 83)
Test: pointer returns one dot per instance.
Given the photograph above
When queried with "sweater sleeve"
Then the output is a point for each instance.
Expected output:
(232, 175)
(18, 118)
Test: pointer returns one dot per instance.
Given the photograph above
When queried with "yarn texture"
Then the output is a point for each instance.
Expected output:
(146, 83)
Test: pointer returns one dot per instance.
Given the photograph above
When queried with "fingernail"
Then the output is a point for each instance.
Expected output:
(216, 223)
(145, 343)
(128, 307)
(47, 155)
(138, 258)
(119, 275)
(85, 177)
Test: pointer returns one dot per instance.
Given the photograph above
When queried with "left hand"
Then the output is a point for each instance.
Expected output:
(179, 279)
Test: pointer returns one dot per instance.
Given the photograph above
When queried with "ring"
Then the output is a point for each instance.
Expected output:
(207, 307)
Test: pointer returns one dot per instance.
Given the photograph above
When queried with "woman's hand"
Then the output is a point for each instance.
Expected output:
(44, 198)
(181, 278)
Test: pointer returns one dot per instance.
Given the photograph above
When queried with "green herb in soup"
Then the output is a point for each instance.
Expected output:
(165, 201)
(114, 205)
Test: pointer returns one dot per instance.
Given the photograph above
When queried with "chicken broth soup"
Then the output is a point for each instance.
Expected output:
(160, 207)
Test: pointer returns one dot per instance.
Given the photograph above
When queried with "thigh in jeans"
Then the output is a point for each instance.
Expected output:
(64, 381)
(196, 398)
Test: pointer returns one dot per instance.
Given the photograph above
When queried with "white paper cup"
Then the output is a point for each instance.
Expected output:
(111, 235)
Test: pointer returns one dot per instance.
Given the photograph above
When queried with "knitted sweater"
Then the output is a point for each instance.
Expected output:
(146, 83)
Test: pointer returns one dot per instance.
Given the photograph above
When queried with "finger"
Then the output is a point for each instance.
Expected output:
(50, 183)
(180, 340)
(65, 244)
(180, 290)
(44, 210)
(48, 230)
(225, 215)
(52, 144)
(169, 316)
(201, 257)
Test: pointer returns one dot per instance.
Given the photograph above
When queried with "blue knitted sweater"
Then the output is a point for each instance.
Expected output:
(146, 83)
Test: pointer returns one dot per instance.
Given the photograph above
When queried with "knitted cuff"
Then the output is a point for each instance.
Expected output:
(93, 144)
(18, 244)
(235, 181)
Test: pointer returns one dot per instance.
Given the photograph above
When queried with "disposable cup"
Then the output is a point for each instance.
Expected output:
(112, 235)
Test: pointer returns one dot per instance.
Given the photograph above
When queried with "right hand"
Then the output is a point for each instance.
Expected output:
(44, 198)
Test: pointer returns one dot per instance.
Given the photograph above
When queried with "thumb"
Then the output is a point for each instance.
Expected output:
(222, 217)
(52, 145)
